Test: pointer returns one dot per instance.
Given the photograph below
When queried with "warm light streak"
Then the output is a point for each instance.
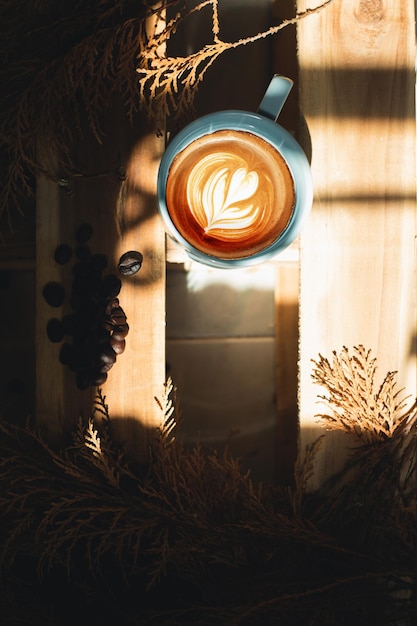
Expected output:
(350, 166)
(259, 277)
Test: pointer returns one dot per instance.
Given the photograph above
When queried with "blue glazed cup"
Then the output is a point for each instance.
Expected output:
(262, 124)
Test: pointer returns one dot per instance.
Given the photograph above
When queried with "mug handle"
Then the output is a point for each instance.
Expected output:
(275, 97)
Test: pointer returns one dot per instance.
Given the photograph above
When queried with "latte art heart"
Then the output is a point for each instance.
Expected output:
(221, 195)
(229, 194)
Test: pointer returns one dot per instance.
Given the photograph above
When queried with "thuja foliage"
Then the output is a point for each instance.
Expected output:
(187, 538)
(63, 63)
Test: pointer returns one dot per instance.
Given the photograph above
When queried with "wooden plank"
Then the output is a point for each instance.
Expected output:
(286, 334)
(287, 271)
(358, 267)
(123, 216)
(17, 237)
(133, 387)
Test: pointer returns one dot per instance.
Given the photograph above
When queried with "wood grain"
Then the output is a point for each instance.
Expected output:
(116, 195)
(358, 266)
(286, 341)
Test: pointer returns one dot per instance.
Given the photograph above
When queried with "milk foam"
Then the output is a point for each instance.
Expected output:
(229, 193)
(221, 195)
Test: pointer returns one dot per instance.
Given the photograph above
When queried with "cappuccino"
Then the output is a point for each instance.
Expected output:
(230, 194)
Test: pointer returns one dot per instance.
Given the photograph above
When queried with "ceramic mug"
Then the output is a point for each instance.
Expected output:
(234, 187)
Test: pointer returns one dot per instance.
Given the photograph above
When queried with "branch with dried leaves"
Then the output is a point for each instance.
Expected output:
(168, 84)
(191, 540)
(370, 413)
(68, 70)
(375, 493)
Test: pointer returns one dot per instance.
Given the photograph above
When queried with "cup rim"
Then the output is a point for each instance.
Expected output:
(276, 136)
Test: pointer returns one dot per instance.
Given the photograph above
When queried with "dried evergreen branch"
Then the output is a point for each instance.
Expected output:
(375, 494)
(169, 408)
(190, 539)
(61, 66)
(168, 84)
(369, 414)
(304, 470)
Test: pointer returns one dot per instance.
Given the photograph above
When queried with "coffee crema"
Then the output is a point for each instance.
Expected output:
(230, 194)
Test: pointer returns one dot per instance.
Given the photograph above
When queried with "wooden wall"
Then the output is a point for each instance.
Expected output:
(358, 261)
(355, 78)
(115, 196)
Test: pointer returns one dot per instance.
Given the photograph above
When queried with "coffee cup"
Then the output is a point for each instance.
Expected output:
(234, 187)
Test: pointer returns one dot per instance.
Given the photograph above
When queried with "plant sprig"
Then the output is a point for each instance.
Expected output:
(167, 85)
(68, 70)
(358, 406)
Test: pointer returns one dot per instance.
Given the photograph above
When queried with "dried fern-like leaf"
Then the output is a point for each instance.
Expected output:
(168, 406)
(375, 491)
(167, 85)
(215, 547)
(59, 80)
(60, 73)
(370, 414)
(99, 458)
(303, 472)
